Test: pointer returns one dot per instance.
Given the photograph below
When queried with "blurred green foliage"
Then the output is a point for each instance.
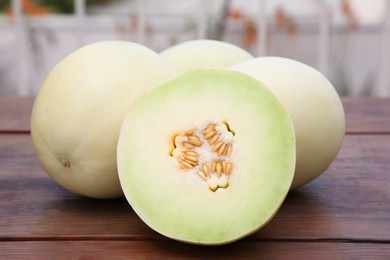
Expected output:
(56, 6)
(4, 4)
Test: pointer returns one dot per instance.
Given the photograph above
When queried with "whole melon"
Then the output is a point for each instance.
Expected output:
(78, 112)
(204, 53)
(313, 105)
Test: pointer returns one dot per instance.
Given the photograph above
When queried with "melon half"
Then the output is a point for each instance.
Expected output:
(207, 157)
(79, 109)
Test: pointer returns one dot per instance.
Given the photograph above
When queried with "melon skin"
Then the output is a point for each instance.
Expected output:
(78, 111)
(314, 106)
(204, 53)
(179, 205)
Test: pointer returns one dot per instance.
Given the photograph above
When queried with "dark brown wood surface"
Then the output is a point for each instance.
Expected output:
(344, 214)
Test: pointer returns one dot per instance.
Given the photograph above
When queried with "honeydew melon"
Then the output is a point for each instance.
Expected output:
(204, 53)
(78, 112)
(206, 157)
(314, 106)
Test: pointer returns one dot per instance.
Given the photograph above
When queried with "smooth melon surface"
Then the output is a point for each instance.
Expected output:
(79, 109)
(204, 53)
(313, 105)
(178, 203)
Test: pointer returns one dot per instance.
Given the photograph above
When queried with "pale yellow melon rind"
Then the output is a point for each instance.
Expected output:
(204, 53)
(79, 109)
(313, 105)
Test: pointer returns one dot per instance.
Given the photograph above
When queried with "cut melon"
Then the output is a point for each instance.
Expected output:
(79, 109)
(204, 54)
(207, 157)
(314, 106)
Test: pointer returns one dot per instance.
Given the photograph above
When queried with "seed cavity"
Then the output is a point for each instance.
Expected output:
(206, 152)
(221, 137)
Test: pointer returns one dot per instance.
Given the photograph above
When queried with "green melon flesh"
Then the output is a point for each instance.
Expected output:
(313, 105)
(204, 54)
(79, 109)
(178, 203)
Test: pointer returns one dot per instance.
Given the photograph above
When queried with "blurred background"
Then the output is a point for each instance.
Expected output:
(347, 40)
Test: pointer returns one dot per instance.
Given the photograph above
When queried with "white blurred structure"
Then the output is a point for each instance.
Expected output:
(356, 61)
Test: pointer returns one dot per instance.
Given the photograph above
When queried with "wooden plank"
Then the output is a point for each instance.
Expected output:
(15, 113)
(345, 201)
(177, 250)
(367, 115)
(350, 201)
(364, 115)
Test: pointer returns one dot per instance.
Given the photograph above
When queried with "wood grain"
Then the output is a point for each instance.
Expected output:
(367, 115)
(349, 201)
(363, 115)
(85, 250)
(15, 113)
(344, 214)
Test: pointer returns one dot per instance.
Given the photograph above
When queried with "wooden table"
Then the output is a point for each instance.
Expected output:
(344, 214)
